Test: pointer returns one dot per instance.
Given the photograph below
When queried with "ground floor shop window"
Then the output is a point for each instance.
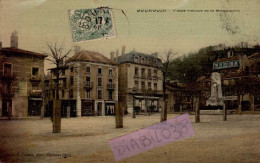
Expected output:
(110, 109)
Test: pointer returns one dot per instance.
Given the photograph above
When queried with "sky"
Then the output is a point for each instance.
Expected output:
(41, 21)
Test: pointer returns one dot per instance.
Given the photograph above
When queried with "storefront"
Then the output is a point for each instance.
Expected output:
(146, 102)
(87, 108)
(109, 107)
(34, 106)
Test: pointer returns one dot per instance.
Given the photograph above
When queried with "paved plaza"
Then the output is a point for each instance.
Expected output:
(85, 139)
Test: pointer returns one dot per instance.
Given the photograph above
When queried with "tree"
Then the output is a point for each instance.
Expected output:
(194, 65)
(165, 73)
(247, 85)
(57, 56)
(8, 89)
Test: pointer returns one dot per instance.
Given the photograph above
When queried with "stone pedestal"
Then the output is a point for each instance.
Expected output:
(216, 98)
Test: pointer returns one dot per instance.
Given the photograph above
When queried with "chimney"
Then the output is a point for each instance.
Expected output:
(155, 54)
(123, 50)
(246, 44)
(242, 44)
(112, 55)
(229, 53)
(14, 40)
(76, 49)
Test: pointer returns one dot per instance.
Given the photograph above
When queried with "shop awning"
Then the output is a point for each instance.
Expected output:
(36, 99)
(147, 97)
(110, 102)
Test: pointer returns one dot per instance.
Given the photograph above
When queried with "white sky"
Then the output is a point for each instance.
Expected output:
(38, 21)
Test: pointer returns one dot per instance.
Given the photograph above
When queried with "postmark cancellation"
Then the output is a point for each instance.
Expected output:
(91, 24)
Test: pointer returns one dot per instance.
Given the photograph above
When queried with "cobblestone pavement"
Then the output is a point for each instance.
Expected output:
(85, 139)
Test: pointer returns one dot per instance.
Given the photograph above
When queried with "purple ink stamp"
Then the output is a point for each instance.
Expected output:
(172, 130)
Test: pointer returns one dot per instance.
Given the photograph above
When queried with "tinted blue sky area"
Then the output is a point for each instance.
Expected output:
(183, 31)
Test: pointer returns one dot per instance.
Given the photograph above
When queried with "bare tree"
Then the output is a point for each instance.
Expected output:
(57, 55)
(165, 73)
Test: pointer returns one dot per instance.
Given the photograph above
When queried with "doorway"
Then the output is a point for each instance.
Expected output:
(6, 107)
(99, 108)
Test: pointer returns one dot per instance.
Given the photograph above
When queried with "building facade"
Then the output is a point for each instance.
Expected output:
(89, 87)
(240, 79)
(21, 80)
(140, 81)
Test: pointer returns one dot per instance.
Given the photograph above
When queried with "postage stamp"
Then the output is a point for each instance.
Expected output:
(153, 136)
(91, 24)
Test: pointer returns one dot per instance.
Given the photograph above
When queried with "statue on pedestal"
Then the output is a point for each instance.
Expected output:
(216, 98)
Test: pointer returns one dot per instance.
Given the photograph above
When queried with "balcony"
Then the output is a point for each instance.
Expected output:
(9, 77)
(35, 93)
(35, 78)
(155, 77)
(7, 92)
(111, 86)
(88, 85)
(54, 85)
(145, 91)
(143, 76)
(136, 76)
(149, 77)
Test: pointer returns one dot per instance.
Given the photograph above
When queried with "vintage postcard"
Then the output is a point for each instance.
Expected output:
(129, 81)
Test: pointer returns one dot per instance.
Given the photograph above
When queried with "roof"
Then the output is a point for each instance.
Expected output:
(228, 59)
(141, 54)
(129, 57)
(90, 56)
(254, 56)
(17, 50)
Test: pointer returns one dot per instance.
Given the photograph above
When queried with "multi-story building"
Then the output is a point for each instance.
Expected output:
(21, 79)
(140, 81)
(240, 76)
(89, 86)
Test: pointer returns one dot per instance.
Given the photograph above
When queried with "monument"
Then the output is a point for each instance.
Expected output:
(216, 98)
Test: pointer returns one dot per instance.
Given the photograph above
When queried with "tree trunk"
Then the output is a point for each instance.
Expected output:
(240, 104)
(164, 111)
(225, 112)
(9, 110)
(119, 110)
(57, 108)
(56, 116)
(164, 108)
(43, 102)
(197, 110)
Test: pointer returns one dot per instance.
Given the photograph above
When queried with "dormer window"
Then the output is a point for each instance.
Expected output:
(136, 59)
(142, 60)
(155, 62)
